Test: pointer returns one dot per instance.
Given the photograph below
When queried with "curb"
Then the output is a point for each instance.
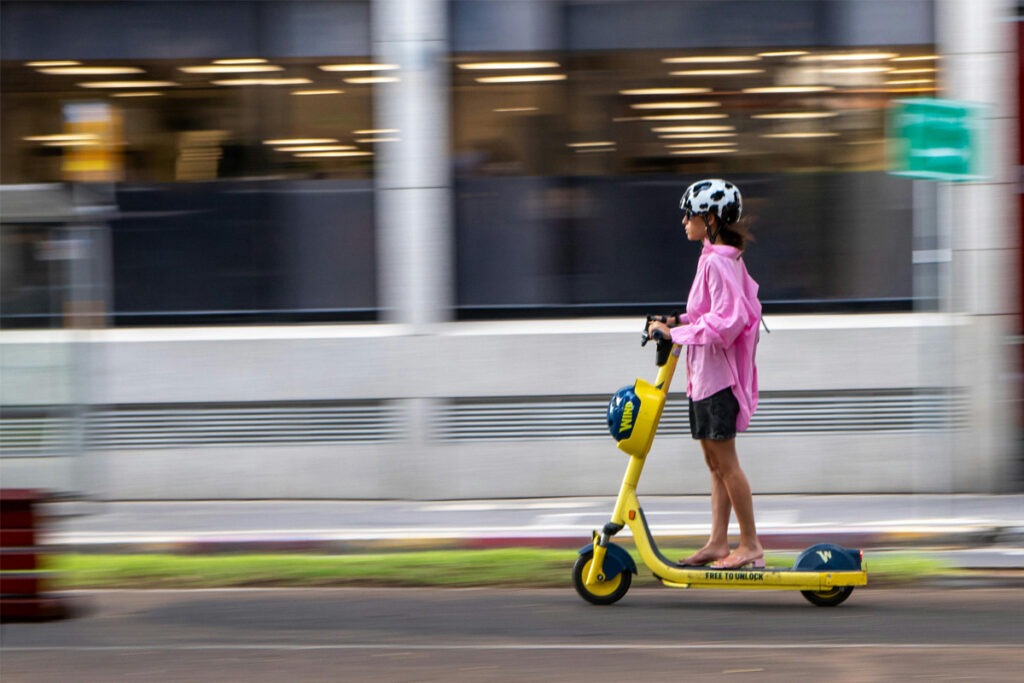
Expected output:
(962, 574)
(909, 540)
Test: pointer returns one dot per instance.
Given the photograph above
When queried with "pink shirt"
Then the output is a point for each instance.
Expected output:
(721, 338)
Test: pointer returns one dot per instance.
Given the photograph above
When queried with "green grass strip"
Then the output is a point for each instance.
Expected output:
(519, 567)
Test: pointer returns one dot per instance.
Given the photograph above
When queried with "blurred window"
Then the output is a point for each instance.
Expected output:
(240, 146)
(572, 146)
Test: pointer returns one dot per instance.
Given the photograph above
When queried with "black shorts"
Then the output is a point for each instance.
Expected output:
(714, 417)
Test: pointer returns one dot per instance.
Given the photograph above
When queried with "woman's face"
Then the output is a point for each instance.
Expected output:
(696, 228)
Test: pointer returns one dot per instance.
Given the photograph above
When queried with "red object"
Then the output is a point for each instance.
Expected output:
(22, 586)
(18, 559)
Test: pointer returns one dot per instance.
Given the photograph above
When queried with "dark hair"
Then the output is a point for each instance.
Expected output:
(735, 234)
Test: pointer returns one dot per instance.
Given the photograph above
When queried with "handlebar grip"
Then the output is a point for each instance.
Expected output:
(664, 341)
(656, 335)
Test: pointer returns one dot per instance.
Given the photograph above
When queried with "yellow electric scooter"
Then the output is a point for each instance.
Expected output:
(825, 573)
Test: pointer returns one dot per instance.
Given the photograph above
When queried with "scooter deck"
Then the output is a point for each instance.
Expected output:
(688, 576)
(704, 576)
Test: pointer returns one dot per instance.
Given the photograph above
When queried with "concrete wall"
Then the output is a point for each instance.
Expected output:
(417, 376)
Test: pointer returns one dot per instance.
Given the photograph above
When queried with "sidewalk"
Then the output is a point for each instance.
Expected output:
(971, 531)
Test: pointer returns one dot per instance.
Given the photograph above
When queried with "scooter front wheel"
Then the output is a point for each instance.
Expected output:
(828, 598)
(604, 592)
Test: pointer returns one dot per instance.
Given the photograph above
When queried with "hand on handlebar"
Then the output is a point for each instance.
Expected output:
(658, 330)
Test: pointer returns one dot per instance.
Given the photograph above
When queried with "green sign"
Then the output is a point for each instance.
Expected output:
(935, 139)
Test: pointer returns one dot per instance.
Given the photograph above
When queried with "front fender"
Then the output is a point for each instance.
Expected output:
(616, 559)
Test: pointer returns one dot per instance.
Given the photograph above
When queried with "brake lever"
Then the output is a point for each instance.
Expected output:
(645, 335)
(664, 343)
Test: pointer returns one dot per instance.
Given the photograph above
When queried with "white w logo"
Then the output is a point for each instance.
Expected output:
(825, 555)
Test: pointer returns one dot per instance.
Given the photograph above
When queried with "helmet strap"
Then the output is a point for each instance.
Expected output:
(712, 233)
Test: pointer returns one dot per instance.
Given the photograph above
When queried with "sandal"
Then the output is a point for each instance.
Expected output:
(756, 563)
(691, 562)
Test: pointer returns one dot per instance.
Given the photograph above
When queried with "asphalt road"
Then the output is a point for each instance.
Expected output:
(522, 635)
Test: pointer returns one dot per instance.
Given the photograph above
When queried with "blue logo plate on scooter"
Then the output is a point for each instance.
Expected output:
(623, 409)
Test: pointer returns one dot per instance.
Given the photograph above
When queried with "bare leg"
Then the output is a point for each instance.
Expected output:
(717, 546)
(724, 462)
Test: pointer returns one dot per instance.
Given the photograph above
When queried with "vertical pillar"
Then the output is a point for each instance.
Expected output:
(415, 235)
(977, 42)
(413, 182)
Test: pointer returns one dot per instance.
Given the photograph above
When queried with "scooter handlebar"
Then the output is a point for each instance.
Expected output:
(664, 343)
(646, 336)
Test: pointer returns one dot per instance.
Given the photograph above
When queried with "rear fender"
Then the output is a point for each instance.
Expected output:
(825, 557)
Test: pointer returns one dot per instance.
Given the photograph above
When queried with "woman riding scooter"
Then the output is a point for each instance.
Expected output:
(720, 332)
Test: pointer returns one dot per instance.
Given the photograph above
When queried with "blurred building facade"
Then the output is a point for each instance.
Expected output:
(398, 248)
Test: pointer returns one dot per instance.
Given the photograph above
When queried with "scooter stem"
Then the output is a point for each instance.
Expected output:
(627, 499)
(668, 370)
(627, 491)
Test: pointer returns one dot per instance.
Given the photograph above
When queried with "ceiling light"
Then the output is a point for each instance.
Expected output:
(332, 91)
(321, 155)
(856, 70)
(675, 105)
(72, 143)
(797, 115)
(781, 89)
(374, 131)
(503, 110)
(920, 70)
(230, 68)
(142, 93)
(665, 91)
(240, 61)
(908, 90)
(600, 143)
(801, 135)
(263, 81)
(711, 59)
(784, 53)
(358, 67)
(488, 66)
(370, 80)
(91, 70)
(916, 58)
(127, 84)
(532, 78)
(683, 117)
(314, 148)
(715, 150)
(41, 65)
(694, 129)
(62, 137)
(695, 136)
(300, 141)
(716, 72)
(373, 141)
(850, 57)
(912, 81)
(693, 145)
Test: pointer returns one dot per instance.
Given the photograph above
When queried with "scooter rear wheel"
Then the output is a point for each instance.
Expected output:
(828, 598)
(603, 593)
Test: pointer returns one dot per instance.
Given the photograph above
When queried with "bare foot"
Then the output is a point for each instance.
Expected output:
(741, 557)
(705, 556)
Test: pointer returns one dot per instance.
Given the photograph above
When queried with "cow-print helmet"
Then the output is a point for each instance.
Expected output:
(716, 196)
